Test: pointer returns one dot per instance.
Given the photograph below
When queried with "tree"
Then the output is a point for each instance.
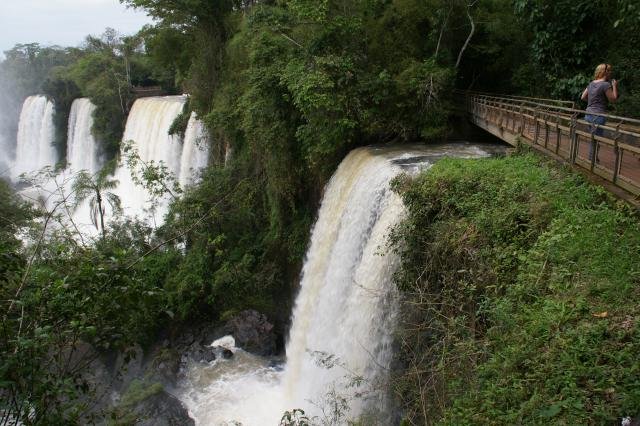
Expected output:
(25, 71)
(563, 43)
(206, 24)
(14, 215)
(96, 189)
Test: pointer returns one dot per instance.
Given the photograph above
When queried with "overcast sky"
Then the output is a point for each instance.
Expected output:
(63, 22)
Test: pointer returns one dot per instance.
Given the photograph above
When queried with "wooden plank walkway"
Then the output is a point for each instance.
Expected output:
(560, 131)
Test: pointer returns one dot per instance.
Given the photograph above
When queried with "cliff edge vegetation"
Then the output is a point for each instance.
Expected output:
(521, 286)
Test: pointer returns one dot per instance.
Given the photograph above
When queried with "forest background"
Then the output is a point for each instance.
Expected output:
(288, 86)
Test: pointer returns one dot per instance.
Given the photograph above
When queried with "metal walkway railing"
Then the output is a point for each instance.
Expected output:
(559, 130)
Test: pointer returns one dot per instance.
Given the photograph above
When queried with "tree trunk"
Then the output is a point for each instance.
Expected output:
(473, 29)
(101, 213)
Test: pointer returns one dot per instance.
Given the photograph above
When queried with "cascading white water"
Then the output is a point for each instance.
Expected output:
(344, 306)
(35, 148)
(340, 343)
(82, 150)
(195, 151)
(148, 130)
(82, 154)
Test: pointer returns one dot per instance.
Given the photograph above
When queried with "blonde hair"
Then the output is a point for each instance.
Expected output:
(601, 71)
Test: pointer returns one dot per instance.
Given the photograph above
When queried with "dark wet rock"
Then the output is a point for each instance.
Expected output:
(128, 366)
(148, 404)
(92, 376)
(252, 332)
(185, 339)
(277, 364)
(109, 376)
(199, 353)
(164, 366)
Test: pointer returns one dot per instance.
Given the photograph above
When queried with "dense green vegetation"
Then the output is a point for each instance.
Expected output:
(378, 69)
(521, 296)
(60, 294)
(288, 87)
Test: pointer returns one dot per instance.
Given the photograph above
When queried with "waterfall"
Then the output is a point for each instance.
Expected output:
(195, 151)
(82, 150)
(340, 342)
(35, 148)
(343, 312)
(147, 129)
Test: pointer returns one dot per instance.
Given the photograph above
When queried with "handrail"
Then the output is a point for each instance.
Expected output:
(502, 95)
(628, 123)
(614, 117)
(610, 151)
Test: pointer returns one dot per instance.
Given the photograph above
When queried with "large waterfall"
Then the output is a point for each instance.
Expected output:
(147, 131)
(343, 313)
(35, 148)
(82, 150)
(340, 344)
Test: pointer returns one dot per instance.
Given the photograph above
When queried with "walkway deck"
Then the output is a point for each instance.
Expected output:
(559, 130)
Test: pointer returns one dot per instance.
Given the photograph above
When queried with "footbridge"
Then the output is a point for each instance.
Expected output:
(558, 129)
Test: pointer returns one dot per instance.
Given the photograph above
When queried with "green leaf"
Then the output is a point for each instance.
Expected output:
(551, 411)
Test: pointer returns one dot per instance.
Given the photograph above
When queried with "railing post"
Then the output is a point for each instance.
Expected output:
(537, 128)
(558, 138)
(512, 117)
(594, 150)
(546, 132)
(521, 130)
(618, 156)
(573, 137)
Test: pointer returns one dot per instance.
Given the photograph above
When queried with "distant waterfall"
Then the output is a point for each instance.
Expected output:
(148, 130)
(195, 151)
(82, 150)
(35, 148)
(340, 342)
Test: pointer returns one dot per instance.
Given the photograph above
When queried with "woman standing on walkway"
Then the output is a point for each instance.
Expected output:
(597, 94)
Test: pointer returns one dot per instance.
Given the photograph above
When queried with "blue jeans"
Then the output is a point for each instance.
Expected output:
(594, 120)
